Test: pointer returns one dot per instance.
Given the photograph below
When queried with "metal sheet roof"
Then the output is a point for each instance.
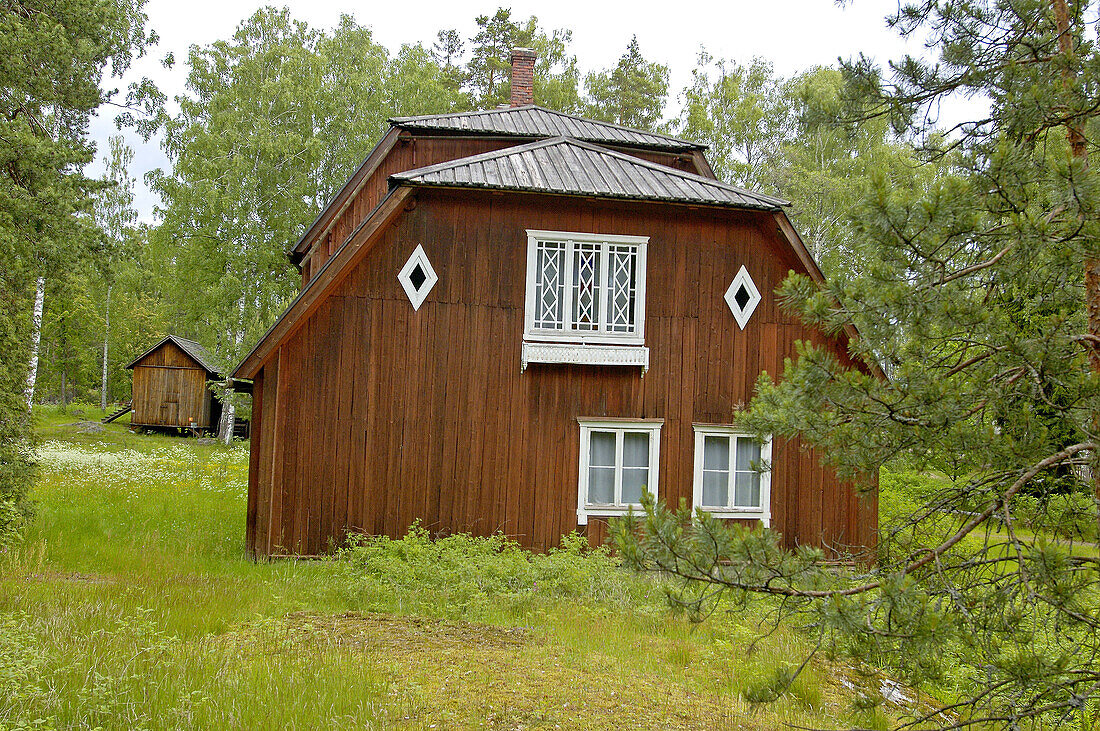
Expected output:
(198, 353)
(569, 166)
(536, 121)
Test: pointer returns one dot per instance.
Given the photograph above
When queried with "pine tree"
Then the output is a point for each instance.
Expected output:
(632, 94)
(979, 296)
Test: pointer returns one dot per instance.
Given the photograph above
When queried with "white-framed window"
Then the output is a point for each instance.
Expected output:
(618, 462)
(417, 277)
(742, 297)
(585, 288)
(732, 473)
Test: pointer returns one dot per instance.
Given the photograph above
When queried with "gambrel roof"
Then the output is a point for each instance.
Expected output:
(536, 121)
(568, 166)
(197, 353)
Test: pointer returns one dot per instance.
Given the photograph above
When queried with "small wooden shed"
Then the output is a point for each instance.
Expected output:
(170, 386)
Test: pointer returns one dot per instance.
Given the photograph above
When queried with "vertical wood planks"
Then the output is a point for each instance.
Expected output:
(380, 415)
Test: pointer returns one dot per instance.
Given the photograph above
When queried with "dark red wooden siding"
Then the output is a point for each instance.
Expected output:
(373, 415)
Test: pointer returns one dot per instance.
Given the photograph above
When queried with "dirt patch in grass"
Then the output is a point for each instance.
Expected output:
(74, 577)
(448, 675)
(405, 634)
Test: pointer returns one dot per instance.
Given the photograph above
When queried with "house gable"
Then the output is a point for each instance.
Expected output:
(414, 142)
(174, 351)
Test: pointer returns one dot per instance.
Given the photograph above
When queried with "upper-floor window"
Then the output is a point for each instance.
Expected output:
(585, 288)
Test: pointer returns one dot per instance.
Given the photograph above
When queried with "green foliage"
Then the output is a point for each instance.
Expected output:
(56, 55)
(743, 116)
(468, 576)
(16, 463)
(970, 294)
(488, 72)
(632, 94)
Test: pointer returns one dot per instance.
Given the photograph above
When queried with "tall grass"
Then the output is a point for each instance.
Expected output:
(131, 604)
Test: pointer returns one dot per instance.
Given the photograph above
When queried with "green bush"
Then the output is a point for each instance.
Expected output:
(1049, 508)
(903, 493)
(467, 576)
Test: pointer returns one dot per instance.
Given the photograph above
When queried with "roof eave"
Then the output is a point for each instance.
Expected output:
(395, 181)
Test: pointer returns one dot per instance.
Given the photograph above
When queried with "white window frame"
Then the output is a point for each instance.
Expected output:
(763, 513)
(418, 258)
(570, 334)
(740, 314)
(620, 427)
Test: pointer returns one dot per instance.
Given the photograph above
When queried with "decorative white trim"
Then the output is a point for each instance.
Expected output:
(742, 314)
(620, 427)
(764, 512)
(584, 354)
(417, 296)
(568, 333)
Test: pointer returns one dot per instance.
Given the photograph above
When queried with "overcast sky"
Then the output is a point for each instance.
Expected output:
(792, 34)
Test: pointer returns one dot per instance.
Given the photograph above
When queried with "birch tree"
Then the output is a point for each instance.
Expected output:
(115, 215)
(56, 55)
(741, 114)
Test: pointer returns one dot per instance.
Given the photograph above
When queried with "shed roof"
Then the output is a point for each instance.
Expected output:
(536, 121)
(568, 166)
(197, 353)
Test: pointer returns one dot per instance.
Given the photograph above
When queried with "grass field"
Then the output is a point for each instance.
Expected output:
(131, 604)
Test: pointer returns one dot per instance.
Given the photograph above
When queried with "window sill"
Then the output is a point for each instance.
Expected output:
(584, 354)
(606, 511)
(744, 514)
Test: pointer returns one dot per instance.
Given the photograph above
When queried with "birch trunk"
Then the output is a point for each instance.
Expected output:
(229, 407)
(36, 340)
(106, 337)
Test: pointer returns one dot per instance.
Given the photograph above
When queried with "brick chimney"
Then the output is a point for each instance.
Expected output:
(523, 76)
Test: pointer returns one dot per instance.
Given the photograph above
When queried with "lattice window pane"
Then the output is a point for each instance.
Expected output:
(586, 286)
(623, 288)
(550, 296)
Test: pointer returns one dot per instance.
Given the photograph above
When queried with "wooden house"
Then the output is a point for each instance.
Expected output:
(170, 386)
(516, 320)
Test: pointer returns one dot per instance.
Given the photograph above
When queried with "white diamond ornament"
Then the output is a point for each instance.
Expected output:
(742, 297)
(417, 277)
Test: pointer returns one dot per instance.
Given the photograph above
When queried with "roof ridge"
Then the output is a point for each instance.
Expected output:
(554, 141)
(681, 173)
(615, 125)
(658, 137)
(472, 113)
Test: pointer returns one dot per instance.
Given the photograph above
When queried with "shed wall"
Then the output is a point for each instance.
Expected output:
(169, 389)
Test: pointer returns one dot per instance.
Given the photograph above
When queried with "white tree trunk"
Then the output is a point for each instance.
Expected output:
(229, 417)
(229, 408)
(36, 339)
(106, 336)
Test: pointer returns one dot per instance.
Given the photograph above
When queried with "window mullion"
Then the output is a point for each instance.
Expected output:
(733, 469)
(567, 302)
(604, 284)
(619, 438)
